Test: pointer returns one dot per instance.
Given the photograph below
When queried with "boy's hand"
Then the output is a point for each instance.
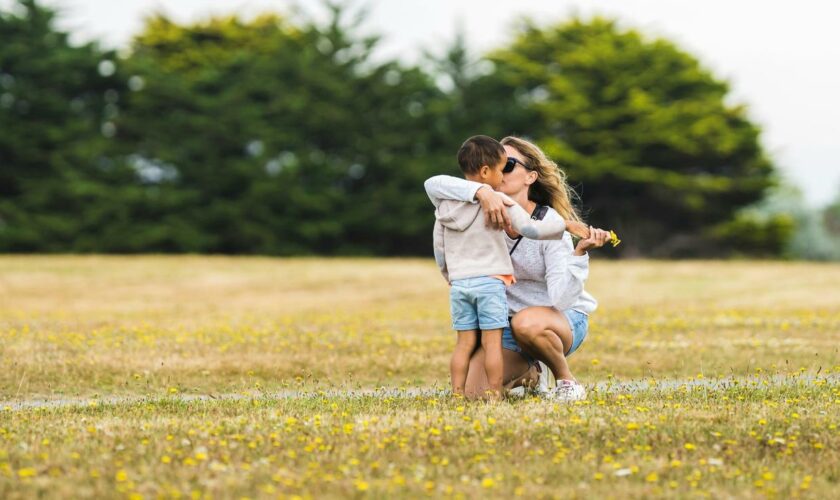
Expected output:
(597, 238)
(578, 229)
(495, 213)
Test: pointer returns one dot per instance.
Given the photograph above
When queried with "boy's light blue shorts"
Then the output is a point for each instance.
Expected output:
(478, 304)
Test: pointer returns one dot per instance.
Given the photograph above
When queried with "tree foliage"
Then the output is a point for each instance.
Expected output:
(55, 104)
(638, 125)
(282, 136)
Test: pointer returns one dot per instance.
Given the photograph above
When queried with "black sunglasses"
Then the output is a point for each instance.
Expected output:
(510, 164)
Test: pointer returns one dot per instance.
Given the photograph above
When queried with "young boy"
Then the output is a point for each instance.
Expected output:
(474, 259)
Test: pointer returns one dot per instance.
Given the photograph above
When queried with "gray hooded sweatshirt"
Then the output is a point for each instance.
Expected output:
(466, 248)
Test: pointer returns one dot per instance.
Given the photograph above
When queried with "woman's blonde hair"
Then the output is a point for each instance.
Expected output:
(550, 187)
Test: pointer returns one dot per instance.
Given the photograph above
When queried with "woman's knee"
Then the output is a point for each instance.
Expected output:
(526, 328)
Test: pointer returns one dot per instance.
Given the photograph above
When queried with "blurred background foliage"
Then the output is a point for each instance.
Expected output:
(284, 136)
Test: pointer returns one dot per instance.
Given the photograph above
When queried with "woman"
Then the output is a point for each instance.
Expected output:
(549, 307)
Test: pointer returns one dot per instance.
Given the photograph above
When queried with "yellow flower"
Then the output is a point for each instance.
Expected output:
(121, 476)
(27, 472)
(614, 241)
(690, 446)
(488, 482)
(362, 485)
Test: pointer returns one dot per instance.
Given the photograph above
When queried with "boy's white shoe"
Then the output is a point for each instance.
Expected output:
(568, 390)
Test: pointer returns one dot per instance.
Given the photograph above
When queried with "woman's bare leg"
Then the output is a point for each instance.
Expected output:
(515, 369)
(546, 335)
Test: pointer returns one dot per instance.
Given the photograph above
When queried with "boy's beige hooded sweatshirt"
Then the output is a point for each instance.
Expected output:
(466, 248)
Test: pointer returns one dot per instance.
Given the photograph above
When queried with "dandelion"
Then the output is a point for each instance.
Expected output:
(614, 241)
(690, 446)
(488, 482)
(26, 472)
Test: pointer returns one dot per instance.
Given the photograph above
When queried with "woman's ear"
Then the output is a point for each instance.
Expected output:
(531, 178)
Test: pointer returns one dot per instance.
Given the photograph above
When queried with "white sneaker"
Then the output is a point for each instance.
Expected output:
(517, 392)
(568, 390)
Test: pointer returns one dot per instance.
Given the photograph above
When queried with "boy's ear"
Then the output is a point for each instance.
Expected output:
(484, 170)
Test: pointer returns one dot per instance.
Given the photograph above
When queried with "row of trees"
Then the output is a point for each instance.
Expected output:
(281, 136)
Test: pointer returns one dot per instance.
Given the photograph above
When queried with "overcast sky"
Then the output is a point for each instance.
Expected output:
(781, 57)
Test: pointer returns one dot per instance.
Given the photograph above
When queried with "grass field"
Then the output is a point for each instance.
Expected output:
(92, 328)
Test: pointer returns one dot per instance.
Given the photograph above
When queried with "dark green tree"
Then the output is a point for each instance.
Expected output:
(641, 128)
(271, 137)
(57, 103)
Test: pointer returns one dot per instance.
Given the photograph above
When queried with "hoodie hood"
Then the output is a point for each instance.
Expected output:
(457, 215)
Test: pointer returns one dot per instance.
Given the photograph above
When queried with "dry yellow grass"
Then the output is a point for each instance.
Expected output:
(162, 326)
(139, 325)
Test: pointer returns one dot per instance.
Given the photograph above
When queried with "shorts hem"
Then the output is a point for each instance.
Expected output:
(461, 328)
(500, 326)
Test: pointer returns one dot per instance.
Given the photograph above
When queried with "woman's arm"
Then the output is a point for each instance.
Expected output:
(565, 273)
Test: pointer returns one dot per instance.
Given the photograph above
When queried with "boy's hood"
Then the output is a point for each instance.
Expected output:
(457, 215)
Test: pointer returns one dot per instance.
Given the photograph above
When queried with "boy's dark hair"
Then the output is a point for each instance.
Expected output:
(477, 151)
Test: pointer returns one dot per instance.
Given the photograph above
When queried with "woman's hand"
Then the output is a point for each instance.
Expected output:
(597, 239)
(493, 205)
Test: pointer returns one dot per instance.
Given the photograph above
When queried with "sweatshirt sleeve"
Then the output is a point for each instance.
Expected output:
(446, 187)
(440, 255)
(546, 229)
(565, 272)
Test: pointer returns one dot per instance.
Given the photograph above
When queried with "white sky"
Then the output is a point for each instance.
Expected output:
(781, 57)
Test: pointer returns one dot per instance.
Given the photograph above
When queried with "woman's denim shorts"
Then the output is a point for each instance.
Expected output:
(577, 320)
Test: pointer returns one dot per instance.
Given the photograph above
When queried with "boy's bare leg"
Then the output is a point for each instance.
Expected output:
(491, 341)
(516, 372)
(459, 364)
